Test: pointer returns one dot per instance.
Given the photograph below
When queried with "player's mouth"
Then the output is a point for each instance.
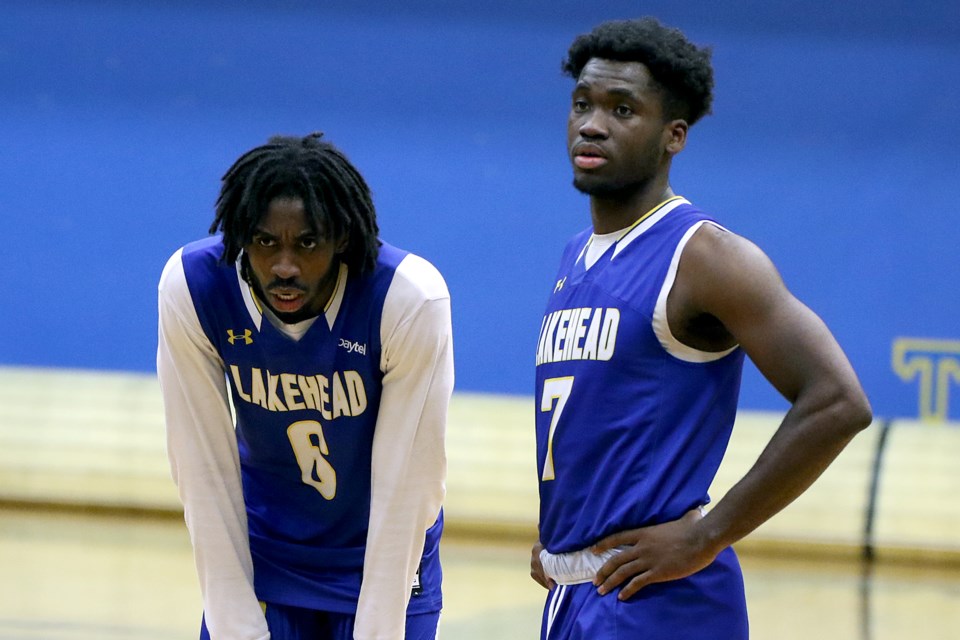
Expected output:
(286, 300)
(588, 156)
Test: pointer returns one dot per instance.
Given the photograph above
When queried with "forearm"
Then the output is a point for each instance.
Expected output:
(808, 440)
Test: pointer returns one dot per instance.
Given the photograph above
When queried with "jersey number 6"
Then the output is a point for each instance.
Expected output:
(306, 438)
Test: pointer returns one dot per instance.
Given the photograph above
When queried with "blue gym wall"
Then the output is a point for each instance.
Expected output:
(834, 145)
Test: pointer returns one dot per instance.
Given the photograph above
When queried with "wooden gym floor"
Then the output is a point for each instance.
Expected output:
(70, 575)
(92, 443)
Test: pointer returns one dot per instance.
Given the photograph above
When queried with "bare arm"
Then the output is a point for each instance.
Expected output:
(736, 283)
(728, 281)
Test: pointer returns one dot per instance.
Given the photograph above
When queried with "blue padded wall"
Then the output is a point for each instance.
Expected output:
(833, 145)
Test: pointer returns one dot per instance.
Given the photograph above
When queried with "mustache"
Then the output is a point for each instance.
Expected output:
(285, 285)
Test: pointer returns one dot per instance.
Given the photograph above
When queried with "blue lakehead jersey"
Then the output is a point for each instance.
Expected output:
(306, 412)
(628, 434)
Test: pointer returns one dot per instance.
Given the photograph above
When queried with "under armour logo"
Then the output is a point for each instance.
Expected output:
(246, 336)
(559, 284)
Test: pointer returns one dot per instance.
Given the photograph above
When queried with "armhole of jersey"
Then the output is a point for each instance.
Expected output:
(661, 327)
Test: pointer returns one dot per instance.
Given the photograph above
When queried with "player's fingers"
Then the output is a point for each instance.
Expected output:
(542, 579)
(618, 576)
(536, 571)
(613, 564)
(539, 578)
(537, 574)
(632, 587)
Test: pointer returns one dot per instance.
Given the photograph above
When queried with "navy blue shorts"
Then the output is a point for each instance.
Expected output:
(709, 605)
(294, 623)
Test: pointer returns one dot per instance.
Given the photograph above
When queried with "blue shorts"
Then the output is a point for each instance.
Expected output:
(294, 623)
(709, 605)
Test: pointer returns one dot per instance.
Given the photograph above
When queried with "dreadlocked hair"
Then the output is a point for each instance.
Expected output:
(682, 69)
(335, 196)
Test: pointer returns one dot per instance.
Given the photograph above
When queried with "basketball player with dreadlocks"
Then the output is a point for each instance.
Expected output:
(306, 369)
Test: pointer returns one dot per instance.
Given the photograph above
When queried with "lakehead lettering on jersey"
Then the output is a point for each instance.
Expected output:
(583, 333)
(340, 394)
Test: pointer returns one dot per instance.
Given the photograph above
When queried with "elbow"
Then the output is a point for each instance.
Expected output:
(854, 411)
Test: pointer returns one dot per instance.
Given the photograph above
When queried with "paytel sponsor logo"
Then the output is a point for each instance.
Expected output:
(353, 347)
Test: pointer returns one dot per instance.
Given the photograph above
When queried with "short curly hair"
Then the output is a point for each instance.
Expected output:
(682, 69)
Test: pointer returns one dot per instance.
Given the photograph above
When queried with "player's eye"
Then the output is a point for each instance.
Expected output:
(580, 105)
(264, 241)
(623, 110)
(309, 243)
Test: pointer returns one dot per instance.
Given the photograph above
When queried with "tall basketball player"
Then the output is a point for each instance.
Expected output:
(639, 364)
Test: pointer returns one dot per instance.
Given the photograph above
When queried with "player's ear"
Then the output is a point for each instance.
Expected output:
(675, 135)
(343, 242)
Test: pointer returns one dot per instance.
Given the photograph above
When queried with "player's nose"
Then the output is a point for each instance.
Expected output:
(286, 266)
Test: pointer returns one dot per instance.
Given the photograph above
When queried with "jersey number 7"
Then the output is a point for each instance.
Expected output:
(553, 389)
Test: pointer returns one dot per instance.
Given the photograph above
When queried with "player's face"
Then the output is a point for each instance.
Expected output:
(616, 133)
(293, 268)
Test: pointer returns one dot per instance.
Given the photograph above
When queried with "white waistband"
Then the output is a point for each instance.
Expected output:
(575, 567)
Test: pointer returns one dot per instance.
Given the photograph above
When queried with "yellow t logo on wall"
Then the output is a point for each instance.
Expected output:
(934, 363)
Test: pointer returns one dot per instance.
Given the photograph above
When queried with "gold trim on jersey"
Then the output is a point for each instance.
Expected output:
(332, 308)
(634, 225)
(648, 214)
(246, 292)
(647, 221)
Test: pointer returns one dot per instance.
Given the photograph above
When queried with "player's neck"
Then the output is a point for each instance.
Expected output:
(295, 330)
(616, 213)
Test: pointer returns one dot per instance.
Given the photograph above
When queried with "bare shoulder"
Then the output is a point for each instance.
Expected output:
(723, 281)
(719, 268)
(717, 250)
